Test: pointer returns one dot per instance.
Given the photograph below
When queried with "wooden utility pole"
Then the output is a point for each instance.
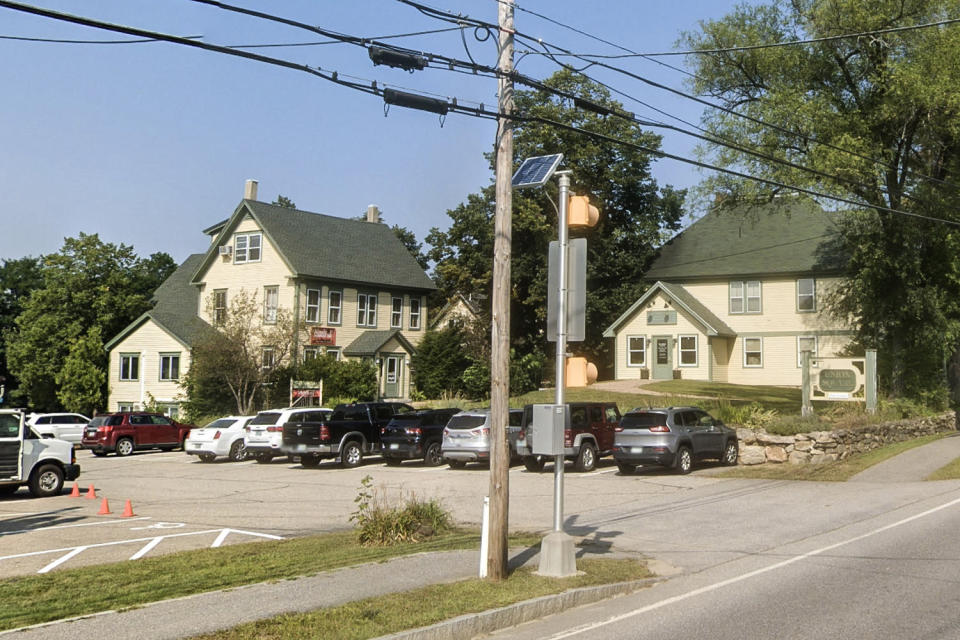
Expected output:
(500, 308)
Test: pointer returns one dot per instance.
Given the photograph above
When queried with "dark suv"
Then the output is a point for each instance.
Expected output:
(126, 432)
(672, 437)
(590, 435)
(415, 435)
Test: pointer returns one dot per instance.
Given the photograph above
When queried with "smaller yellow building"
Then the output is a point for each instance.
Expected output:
(736, 297)
(353, 288)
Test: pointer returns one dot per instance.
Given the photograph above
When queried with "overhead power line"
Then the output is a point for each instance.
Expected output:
(62, 41)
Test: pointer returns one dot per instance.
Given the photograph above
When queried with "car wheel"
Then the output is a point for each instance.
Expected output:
(352, 455)
(683, 463)
(392, 462)
(124, 446)
(534, 463)
(263, 458)
(626, 469)
(238, 451)
(730, 454)
(587, 458)
(46, 481)
(207, 457)
(433, 457)
(309, 460)
(456, 464)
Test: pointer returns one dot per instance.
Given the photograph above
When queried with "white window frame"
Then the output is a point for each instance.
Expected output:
(695, 350)
(311, 353)
(396, 312)
(271, 303)
(335, 309)
(812, 295)
(133, 358)
(125, 406)
(268, 358)
(366, 309)
(247, 247)
(740, 294)
(813, 352)
(335, 352)
(745, 352)
(219, 312)
(414, 313)
(169, 358)
(311, 311)
(642, 351)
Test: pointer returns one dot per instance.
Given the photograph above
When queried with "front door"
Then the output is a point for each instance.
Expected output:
(391, 381)
(11, 441)
(662, 358)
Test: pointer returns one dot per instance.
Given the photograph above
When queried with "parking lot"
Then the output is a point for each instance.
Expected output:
(180, 503)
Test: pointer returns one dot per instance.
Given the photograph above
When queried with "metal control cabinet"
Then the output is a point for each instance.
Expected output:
(548, 422)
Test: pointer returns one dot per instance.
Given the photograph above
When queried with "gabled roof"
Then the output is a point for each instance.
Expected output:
(325, 247)
(369, 343)
(791, 235)
(438, 317)
(175, 308)
(708, 321)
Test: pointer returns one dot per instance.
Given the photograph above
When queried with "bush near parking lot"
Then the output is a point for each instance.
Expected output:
(380, 523)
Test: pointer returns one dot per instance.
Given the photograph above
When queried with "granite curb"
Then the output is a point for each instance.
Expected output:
(476, 624)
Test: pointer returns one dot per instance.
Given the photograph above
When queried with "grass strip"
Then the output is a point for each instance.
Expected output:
(34, 599)
(949, 471)
(383, 615)
(837, 471)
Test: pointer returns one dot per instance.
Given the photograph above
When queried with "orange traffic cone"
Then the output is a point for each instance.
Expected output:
(91, 493)
(75, 493)
(127, 510)
(104, 508)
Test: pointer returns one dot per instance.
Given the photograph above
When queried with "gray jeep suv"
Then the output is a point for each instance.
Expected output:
(672, 437)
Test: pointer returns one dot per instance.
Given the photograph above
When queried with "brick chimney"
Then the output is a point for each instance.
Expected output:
(373, 213)
(250, 190)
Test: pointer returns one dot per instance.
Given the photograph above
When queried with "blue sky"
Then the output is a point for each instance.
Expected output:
(148, 144)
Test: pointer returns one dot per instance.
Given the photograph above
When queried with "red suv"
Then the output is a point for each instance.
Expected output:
(126, 432)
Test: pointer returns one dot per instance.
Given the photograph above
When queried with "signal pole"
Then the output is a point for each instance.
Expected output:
(500, 306)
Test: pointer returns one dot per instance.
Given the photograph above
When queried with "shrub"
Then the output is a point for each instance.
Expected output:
(379, 523)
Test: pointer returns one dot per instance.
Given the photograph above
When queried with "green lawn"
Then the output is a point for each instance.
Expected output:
(947, 472)
(34, 599)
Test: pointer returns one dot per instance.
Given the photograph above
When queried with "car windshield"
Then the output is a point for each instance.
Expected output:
(644, 419)
(267, 417)
(466, 422)
(222, 423)
(106, 421)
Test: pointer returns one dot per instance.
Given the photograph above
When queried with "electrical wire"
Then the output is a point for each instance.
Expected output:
(61, 41)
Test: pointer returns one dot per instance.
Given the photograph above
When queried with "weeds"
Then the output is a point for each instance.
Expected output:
(379, 523)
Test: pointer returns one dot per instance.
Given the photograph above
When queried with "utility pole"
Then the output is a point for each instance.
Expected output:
(500, 306)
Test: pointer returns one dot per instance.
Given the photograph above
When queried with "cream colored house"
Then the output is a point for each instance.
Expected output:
(735, 298)
(352, 286)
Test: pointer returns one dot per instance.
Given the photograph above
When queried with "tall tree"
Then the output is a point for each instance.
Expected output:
(876, 117)
(636, 216)
(87, 284)
(18, 278)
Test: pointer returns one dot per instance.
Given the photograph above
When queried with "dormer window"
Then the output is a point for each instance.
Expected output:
(246, 247)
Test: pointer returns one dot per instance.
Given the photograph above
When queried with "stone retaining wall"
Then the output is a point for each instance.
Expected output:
(757, 446)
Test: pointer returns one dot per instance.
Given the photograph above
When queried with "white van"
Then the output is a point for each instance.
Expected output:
(26, 459)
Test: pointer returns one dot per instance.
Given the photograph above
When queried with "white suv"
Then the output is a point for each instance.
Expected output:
(263, 436)
(62, 426)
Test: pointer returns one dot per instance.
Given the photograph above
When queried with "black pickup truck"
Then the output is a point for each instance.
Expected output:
(352, 432)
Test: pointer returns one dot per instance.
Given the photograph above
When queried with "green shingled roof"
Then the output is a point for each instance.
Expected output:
(788, 236)
(175, 308)
(329, 248)
(369, 343)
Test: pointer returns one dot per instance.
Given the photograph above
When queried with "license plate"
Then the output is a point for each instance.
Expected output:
(301, 447)
(394, 445)
(636, 449)
(196, 446)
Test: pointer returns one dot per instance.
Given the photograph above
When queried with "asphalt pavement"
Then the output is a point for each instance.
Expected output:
(185, 617)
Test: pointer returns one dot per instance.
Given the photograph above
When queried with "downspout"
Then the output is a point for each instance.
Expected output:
(296, 323)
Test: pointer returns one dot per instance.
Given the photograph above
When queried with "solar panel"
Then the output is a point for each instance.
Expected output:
(535, 172)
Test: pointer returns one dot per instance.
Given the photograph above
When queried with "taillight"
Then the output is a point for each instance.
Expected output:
(216, 436)
(274, 429)
(324, 432)
(412, 431)
(247, 429)
(521, 435)
(660, 428)
(446, 432)
(383, 430)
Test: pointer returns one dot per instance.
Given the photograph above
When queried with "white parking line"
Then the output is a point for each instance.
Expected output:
(71, 526)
